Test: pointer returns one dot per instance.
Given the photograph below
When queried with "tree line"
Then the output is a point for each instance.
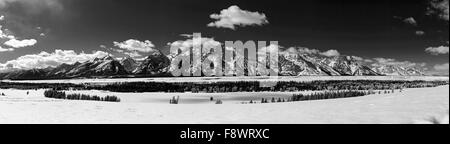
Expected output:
(247, 86)
(329, 95)
(62, 95)
(238, 86)
(320, 96)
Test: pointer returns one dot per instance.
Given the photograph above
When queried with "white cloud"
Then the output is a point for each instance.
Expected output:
(420, 33)
(6, 49)
(118, 50)
(331, 53)
(133, 54)
(20, 43)
(12, 41)
(439, 8)
(303, 50)
(134, 48)
(136, 45)
(4, 34)
(442, 67)
(103, 46)
(234, 16)
(45, 59)
(34, 6)
(187, 35)
(437, 50)
(410, 21)
(368, 61)
(189, 43)
(357, 58)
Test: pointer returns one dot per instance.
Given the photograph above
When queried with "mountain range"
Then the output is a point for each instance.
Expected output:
(158, 64)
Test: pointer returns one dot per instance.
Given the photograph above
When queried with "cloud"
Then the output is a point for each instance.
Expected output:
(186, 45)
(442, 67)
(189, 43)
(134, 48)
(19, 16)
(56, 58)
(187, 35)
(6, 49)
(12, 41)
(437, 50)
(410, 21)
(363, 60)
(136, 45)
(420, 33)
(20, 43)
(234, 16)
(304, 50)
(133, 54)
(33, 6)
(4, 34)
(331, 53)
(439, 8)
(357, 58)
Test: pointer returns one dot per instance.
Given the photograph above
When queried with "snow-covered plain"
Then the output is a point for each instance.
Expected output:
(410, 106)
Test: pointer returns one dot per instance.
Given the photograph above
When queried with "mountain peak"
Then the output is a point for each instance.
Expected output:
(108, 58)
(129, 64)
(158, 64)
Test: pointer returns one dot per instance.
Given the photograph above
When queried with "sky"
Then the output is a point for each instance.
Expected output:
(42, 33)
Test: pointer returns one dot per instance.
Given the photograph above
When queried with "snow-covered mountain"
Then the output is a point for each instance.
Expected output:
(26, 74)
(158, 64)
(298, 65)
(348, 66)
(99, 67)
(129, 64)
(155, 64)
(107, 66)
(392, 70)
(308, 64)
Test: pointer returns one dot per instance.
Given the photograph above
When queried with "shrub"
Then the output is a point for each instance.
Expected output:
(279, 100)
(111, 99)
(174, 100)
(55, 94)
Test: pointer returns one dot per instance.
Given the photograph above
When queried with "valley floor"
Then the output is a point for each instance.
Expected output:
(410, 106)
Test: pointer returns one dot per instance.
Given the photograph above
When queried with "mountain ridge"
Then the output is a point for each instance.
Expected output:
(159, 64)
